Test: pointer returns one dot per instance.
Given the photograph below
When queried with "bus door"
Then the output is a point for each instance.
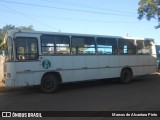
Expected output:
(28, 63)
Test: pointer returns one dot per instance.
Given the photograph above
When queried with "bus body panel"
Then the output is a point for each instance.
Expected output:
(26, 73)
(74, 67)
(10, 74)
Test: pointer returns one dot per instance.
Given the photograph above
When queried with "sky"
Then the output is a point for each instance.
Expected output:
(99, 17)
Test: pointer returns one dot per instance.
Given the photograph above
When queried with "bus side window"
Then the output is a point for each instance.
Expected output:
(131, 48)
(26, 48)
(140, 45)
(62, 44)
(126, 46)
(47, 43)
(55, 44)
(147, 47)
(106, 46)
(122, 46)
(143, 47)
(83, 45)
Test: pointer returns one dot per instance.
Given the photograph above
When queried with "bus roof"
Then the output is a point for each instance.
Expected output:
(13, 32)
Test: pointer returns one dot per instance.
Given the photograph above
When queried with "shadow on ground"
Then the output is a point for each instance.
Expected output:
(86, 84)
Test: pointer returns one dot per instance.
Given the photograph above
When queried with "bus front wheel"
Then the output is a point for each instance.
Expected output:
(126, 76)
(49, 83)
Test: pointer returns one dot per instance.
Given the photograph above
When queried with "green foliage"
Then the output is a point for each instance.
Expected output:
(30, 27)
(2, 45)
(149, 9)
(9, 27)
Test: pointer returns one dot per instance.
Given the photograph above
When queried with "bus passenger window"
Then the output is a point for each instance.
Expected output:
(106, 46)
(26, 48)
(83, 45)
(47, 43)
(126, 46)
(55, 44)
(125, 49)
(140, 46)
(62, 44)
(143, 46)
(147, 47)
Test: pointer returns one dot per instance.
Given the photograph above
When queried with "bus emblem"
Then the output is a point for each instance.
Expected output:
(46, 64)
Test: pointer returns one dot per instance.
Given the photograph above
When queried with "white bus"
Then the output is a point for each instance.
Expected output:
(49, 58)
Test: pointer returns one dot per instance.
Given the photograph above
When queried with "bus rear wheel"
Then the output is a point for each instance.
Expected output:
(49, 83)
(126, 76)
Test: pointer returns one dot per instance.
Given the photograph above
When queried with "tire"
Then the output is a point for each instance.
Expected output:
(49, 83)
(126, 76)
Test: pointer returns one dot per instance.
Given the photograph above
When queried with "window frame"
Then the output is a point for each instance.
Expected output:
(84, 37)
(107, 45)
(16, 49)
(143, 49)
(126, 45)
(55, 45)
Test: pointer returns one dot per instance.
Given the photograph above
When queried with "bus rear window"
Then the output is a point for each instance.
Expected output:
(26, 48)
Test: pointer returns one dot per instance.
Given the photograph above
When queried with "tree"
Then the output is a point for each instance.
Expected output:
(30, 27)
(9, 27)
(149, 9)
